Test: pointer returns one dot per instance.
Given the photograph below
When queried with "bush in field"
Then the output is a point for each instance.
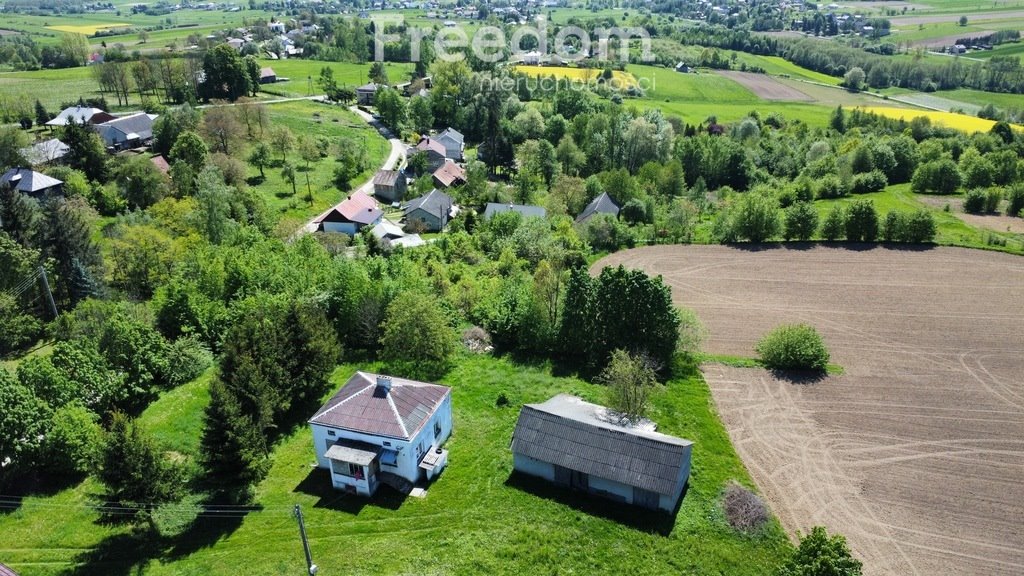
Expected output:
(914, 227)
(187, 358)
(744, 510)
(834, 225)
(801, 221)
(831, 186)
(974, 202)
(862, 222)
(936, 177)
(1015, 200)
(821, 555)
(793, 347)
(873, 181)
(992, 200)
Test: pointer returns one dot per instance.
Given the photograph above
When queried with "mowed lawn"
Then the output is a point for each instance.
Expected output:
(303, 75)
(477, 517)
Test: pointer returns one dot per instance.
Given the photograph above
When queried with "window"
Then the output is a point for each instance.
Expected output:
(389, 458)
(437, 429)
(331, 433)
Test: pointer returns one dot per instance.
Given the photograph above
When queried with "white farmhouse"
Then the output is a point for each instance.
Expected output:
(380, 429)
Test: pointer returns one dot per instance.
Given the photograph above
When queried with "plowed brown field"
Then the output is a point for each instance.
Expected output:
(916, 453)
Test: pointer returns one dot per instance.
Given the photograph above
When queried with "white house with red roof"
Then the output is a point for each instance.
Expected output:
(377, 429)
(351, 215)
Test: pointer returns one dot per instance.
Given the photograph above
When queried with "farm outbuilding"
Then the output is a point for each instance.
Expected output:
(381, 429)
(389, 185)
(587, 447)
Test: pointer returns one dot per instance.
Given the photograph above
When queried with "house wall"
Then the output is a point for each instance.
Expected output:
(533, 467)
(343, 227)
(407, 464)
(430, 221)
(611, 489)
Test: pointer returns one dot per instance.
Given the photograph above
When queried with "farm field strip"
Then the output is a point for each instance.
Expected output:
(948, 119)
(619, 79)
(766, 87)
(916, 452)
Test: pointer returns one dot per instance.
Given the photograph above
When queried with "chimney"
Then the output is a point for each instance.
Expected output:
(383, 384)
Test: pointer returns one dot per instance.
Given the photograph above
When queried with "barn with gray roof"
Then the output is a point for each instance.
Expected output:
(587, 447)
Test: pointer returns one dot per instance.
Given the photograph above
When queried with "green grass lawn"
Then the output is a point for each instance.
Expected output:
(476, 518)
(299, 72)
(298, 116)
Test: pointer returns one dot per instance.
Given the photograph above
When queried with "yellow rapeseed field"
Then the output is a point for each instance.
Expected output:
(619, 79)
(962, 122)
(87, 29)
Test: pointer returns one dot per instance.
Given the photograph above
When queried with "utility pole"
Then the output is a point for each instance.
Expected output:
(49, 295)
(313, 568)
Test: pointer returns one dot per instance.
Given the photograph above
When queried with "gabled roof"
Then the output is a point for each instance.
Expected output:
(527, 211)
(267, 72)
(449, 173)
(358, 208)
(371, 87)
(585, 437)
(79, 115)
(386, 177)
(435, 203)
(603, 204)
(45, 151)
(426, 144)
(452, 134)
(137, 126)
(363, 406)
(387, 230)
(31, 181)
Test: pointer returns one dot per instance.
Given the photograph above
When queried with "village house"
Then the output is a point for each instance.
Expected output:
(267, 75)
(431, 211)
(50, 151)
(366, 94)
(80, 115)
(434, 150)
(30, 182)
(351, 215)
(389, 185)
(448, 175)
(587, 447)
(526, 211)
(603, 204)
(454, 144)
(381, 429)
(127, 131)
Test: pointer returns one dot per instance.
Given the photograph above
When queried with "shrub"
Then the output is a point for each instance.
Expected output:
(187, 358)
(862, 222)
(801, 221)
(835, 224)
(1015, 200)
(892, 227)
(974, 202)
(744, 510)
(793, 347)
(831, 186)
(919, 227)
(873, 181)
(17, 329)
(820, 553)
(937, 177)
(73, 440)
(992, 200)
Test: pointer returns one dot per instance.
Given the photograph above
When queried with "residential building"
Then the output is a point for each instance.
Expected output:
(27, 181)
(127, 131)
(80, 115)
(603, 204)
(267, 75)
(454, 144)
(430, 211)
(449, 174)
(50, 151)
(366, 94)
(378, 429)
(590, 448)
(351, 215)
(435, 151)
(389, 185)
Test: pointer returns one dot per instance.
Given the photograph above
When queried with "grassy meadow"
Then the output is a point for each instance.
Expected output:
(621, 80)
(477, 517)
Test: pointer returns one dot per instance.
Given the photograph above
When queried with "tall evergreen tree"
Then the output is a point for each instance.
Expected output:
(19, 215)
(133, 470)
(64, 234)
(577, 330)
(86, 151)
(233, 448)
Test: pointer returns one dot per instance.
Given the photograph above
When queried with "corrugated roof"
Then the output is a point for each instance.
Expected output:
(78, 115)
(45, 151)
(603, 204)
(358, 453)
(136, 126)
(586, 437)
(386, 177)
(361, 406)
(5, 571)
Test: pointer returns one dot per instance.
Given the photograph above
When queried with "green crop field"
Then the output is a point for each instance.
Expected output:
(1011, 49)
(299, 73)
(477, 517)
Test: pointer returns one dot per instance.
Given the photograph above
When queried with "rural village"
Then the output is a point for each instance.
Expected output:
(511, 286)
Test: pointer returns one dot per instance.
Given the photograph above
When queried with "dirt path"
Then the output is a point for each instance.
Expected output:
(765, 86)
(916, 453)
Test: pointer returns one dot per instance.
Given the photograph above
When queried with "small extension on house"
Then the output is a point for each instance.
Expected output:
(587, 447)
(381, 429)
